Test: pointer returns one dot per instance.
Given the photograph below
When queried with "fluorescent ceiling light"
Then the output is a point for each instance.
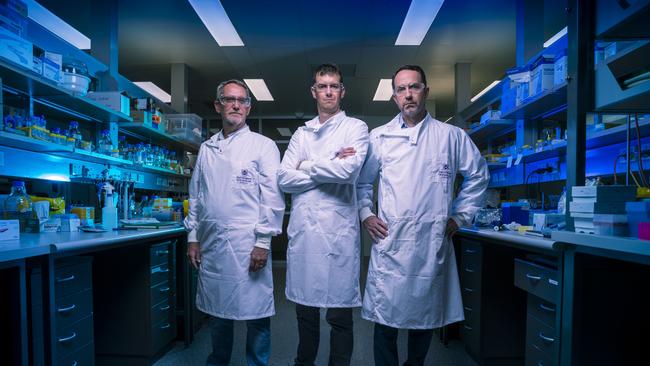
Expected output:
(56, 25)
(418, 20)
(259, 89)
(384, 90)
(284, 131)
(214, 17)
(552, 40)
(154, 90)
(494, 83)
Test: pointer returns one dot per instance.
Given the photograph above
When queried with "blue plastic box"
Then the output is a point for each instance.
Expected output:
(637, 212)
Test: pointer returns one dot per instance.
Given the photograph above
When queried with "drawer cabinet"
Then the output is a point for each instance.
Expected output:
(139, 327)
(493, 331)
(72, 323)
(542, 320)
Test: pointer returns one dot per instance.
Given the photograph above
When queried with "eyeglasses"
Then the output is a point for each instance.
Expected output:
(246, 102)
(413, 88)
(322, 88)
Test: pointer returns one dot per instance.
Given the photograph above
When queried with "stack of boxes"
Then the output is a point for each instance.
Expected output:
(601, 209)
(13, 24)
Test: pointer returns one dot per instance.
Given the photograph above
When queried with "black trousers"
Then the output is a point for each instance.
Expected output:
(341, 338)
(385, 346)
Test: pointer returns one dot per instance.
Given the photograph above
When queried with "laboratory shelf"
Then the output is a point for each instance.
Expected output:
(496, 165)
(153, 169)
(46, 92)
(617, 134)
(490, 129)
(555, 151)
(98, 158)
(27, 143)
(622, 19)
(35, 145)
(541, 105)
(157, 136)
(492, 96)
(610, 97)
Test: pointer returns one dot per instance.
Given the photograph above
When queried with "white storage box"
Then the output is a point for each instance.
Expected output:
(560, 68)
(52, 65)
(188, 127)
(541, 76)
(16, 49)
(113, 100)
(9, 230)
(613, 225)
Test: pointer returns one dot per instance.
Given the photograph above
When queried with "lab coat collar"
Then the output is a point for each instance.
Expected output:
(315, 125)
(219, 136)
(394, 128)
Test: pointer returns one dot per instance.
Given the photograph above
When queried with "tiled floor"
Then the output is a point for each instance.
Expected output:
(284, 340)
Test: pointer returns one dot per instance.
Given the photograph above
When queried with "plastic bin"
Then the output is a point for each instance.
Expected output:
(515, 211)
(613, 225)
(637, 212)
(188, 127)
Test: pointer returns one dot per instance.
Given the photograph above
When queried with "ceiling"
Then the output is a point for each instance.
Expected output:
(284, 40)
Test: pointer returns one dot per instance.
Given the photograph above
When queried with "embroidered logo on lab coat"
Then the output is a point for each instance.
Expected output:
(244, 178)
(444, 173)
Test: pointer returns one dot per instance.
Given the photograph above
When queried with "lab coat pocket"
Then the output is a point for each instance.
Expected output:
(244, 176)
(440, 169)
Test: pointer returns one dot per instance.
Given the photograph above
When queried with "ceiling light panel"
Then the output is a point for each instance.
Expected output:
(214, 17)
(417, 22)
(384, 91)
(284, 132)
(494, 83)
(259, 89)
(556, 37)
(154, 90)
(56, 25)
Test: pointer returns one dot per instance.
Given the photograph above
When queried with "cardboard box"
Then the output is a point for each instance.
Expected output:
(490, 115)
(49, 226)
(113, 100)
(560, 69)
(143, 117)
(9, 230)
(541, 76)
(70, 225)
(16, 49)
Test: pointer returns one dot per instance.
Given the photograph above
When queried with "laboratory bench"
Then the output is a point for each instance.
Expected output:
(76, 298)
(572, 299)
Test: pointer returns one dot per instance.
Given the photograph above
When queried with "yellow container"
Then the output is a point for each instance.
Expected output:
(57, 205)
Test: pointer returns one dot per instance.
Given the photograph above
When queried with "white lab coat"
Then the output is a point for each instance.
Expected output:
(412, 279)
(323, 258)
(235, 204)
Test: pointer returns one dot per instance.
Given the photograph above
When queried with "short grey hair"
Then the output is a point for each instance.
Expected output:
(232, 81)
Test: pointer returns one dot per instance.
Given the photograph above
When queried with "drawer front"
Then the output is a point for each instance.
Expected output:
(163, 310)
(160, 274)
(160, 292)
(162, 334)
(542, 337)
(544, 311)
(535, 357)
(70, 309)
(70, 339)
(159, 253)
(537, 280)
(71, 279)
(470, 247)
(470, 333)
(82, 357)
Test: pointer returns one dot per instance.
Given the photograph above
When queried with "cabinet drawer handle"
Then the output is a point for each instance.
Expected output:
(69, 338)
(534, 278)
(165, 289)
(468, 308)
(468, 289)
(165, 308)
(65, 310)
(469, 270)
(65, 279)
(165, 326)
(467, 327)
(470, 251)
(545, 338)
(546, 308)
(164, 270)
(162, 252)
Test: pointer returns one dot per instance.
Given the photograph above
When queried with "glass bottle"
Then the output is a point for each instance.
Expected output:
(18, 206)
(149, 158)
(75, 133)
(105, 145)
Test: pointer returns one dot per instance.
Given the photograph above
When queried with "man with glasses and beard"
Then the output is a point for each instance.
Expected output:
(320, 170)
(235, 207)
(412, 279)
